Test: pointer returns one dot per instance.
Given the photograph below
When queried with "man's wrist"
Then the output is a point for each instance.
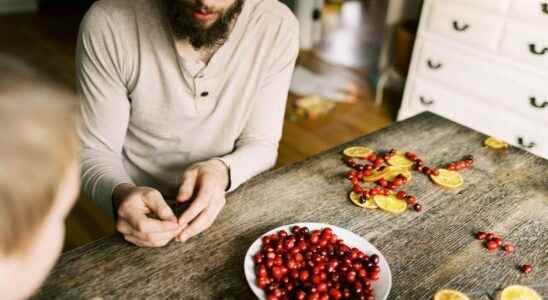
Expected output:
(226, 170)
(119, 193)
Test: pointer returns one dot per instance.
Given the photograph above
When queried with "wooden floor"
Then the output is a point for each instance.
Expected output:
(46, 40)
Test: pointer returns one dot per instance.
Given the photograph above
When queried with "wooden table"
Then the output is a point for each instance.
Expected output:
(506, 192)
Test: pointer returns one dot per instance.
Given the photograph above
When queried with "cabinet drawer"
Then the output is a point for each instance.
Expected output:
(530, 10)
(526, 44)
(470, 112)
(504, 87)
(465, 25)
(499, 6)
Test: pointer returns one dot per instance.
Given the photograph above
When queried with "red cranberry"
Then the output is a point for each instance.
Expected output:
(374, 259)
(491, 245)
(481, 235)
(417, 207)
(382, 182)
(401, 195)
(526, 268)
(508, 248)
(411, 200)
(497, 240)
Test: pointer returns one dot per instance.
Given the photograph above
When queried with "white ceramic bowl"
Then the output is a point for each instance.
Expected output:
(381, 287)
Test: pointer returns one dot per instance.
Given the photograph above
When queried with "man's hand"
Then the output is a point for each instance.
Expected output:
(144, 218)
(208, 180)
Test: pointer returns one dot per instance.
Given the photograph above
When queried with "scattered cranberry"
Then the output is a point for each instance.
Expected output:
(411, 200)
(481, 235)
(491, 245)
(417, 207)
(508, 248)
(526, 269)
(401, 195)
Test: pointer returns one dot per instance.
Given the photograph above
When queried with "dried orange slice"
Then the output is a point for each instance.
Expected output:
(519, 292)
(450, 295)
(388, 173)
(447, 178)
(357, 151)
(495, 143)
(393, 173)
(355, 198)
(399, 160)
(390, 203)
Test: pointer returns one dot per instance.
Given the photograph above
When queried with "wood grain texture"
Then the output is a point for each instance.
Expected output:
(505, 192)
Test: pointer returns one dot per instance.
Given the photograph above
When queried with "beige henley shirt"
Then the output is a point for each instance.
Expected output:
(149, 112)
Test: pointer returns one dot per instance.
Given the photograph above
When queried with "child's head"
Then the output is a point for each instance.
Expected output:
(39, 177)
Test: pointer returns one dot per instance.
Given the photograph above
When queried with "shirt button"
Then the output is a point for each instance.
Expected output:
(204, 94)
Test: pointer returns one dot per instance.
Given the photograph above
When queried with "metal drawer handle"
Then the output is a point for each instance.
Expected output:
(522, 143)
(534, 50)
(426, 102)
(459, 27)
(434, 66)
(545, 7)
(533, 101)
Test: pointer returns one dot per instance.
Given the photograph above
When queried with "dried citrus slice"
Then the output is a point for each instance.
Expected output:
(447, 178)
(393, 173)
(450, 295)
(357, 151)
(355, 198)
(495, 143)
(399, 160)
(388, 173)
(390, 203)
(519, 292)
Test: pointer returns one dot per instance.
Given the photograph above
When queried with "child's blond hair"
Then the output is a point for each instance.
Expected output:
(37, 144)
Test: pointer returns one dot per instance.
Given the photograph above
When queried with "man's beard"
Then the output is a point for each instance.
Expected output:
(186, 27)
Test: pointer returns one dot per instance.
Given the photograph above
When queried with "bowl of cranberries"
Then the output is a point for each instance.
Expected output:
(316, 261)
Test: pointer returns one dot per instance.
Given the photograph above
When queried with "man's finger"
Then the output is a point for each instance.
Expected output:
(156, 203)
(201, 223)
(187, 186)
(126, 229)
(198, 205)
(148, 244)
(140, 222)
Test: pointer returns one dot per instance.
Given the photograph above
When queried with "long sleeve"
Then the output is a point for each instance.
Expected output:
(105, 107)
(256, 149)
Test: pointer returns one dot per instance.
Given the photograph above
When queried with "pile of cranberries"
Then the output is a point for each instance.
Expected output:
(314, 265)
(419, 165)
(384, 187)
(494, 242)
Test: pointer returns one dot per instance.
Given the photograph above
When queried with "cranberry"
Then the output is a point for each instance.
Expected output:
(350, 276)
(411, 155)
(372, 157)
(480, 235)
(491, 245)
(374, 259)
(382, 182)
(303, 276)
(419, 162)
(434, 172)
(411, 200)
(490, 236)
(357, 189)
(417, 207)
(378, 162)
(497, 240)
(526, 268)
(335, 294)
(401, 195)
(300, 295)
(508, 248)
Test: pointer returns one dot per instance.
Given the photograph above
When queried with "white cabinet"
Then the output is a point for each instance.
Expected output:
(483, 64)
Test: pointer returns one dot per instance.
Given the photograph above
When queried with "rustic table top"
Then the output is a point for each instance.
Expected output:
(506, 192)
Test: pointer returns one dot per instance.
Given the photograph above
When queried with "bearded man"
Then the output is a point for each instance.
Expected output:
(182, 99)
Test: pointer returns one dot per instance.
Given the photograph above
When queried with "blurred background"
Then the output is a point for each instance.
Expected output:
(348, 49)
